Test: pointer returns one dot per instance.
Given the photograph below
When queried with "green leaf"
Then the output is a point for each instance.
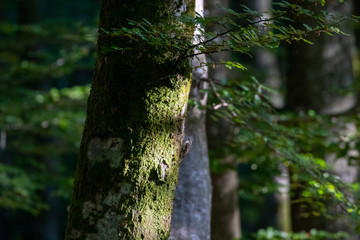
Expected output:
(307, 27)
(307, 41)
(230, 65)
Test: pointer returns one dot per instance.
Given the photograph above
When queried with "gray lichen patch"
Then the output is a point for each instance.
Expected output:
(75, 234)
(135, 215)
(105, 150)
(107, 227)
(102, 214)
(125, 188)
(89, 212)
(112, 199)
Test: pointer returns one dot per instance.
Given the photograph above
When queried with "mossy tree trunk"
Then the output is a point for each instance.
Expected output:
(128, 162)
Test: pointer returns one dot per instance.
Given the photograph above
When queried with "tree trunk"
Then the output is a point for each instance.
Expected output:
(283, 200)
(320, 77)
(265, 60)
(225, 223)
(267, 63)
(192, 204)
(128, 162)
(225, 213)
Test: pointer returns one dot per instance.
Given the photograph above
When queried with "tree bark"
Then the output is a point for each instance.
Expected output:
(128, 162)
(225, 212)
(192, 204)
(283, 200)
(267, 62)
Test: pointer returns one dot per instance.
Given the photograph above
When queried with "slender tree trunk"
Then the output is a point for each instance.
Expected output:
(192, 204)
(267, 62)
(225, 213)
(128, 162)
(283, 215)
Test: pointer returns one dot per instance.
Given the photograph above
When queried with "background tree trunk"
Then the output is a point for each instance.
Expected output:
(267, 64)
(225, 213)
(128, 162)
(192, 204)
(320, 77)
(266, 61)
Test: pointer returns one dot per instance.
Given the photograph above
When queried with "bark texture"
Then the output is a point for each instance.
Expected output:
(192, 204)
(128, 162)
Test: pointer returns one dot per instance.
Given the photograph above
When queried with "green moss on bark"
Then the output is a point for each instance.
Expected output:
(128, 162)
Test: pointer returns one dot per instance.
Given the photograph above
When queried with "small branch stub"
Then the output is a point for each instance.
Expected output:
(185, 149)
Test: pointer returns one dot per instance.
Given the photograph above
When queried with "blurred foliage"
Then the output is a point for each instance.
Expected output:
(313, 234)
(268, 139)
(45, 70)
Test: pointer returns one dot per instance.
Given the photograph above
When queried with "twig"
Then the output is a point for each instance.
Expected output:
(223, 103)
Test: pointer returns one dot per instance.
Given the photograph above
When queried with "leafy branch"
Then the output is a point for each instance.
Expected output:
(243, 31)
